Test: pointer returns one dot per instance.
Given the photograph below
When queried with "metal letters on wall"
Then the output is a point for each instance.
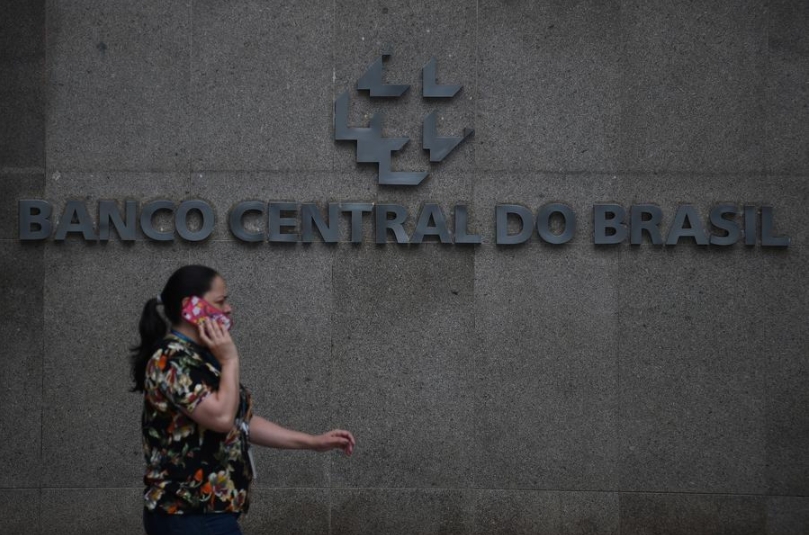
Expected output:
(726, 225)
(291, 222)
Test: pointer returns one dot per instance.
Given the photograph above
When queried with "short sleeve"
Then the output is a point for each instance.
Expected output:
(185, 381)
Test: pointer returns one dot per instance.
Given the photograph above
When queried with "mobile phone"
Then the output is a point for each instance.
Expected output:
(198, 310)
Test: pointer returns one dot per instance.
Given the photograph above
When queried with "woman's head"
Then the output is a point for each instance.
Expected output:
(184, 283)
(189, 281)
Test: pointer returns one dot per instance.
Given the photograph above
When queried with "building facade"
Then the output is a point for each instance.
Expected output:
(588, 315)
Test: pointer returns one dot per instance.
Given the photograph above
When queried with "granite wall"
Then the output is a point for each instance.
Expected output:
(492, 389)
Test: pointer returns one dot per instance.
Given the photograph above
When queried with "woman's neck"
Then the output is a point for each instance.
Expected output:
(189, 331)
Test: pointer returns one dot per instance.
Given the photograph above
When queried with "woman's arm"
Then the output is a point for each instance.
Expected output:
(266, 433)
(218, 410)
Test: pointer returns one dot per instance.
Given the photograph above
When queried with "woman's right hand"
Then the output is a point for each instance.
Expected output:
(218, 341)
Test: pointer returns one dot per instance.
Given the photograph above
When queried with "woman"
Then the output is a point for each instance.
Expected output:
(198, 421)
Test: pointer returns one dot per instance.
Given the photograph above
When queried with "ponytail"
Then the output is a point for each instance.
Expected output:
(185, 282)
(152, 329)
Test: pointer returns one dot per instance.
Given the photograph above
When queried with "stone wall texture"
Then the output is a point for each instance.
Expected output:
(574, 389)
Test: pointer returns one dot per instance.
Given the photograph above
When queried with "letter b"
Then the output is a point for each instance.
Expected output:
(609, 216)
(35, 213)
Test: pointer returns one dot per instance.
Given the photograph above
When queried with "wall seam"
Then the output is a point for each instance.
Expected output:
(618, 388)
(476, 362)
(669, 173)
(621, 97)
(766, 164)
(22, 170)
(765, 67)
(45, 76)
(330, 464)
(189, 153)
(466, 489)
(189, 167)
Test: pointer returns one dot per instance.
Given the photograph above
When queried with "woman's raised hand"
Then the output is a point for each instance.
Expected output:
(218, 341)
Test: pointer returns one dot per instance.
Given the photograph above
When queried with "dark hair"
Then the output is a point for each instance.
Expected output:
(185, 282)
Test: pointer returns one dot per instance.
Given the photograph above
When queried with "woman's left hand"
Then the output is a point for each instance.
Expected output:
(335, 439)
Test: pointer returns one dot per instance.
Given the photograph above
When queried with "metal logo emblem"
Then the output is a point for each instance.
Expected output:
(372, 147)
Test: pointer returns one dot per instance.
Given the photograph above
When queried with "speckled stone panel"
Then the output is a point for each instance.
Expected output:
(23, 29)
(513, 512)
(97, 510)
(402, 365)
(22, 113)
(781, 338)
(787, 515)
(676, 514)
(405, 511)
(543, 512)
(118, 85)
(549, 78)
(692, 389)
(21, 273)
(787, 93)
(687, 405)
(22, 93)
(261, 84)
(584, 513)
(21, 511)
(292, 511)
(546, 366)
(692, 92)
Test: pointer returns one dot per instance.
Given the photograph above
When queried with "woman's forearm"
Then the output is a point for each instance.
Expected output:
(271, 435)
(228, 393)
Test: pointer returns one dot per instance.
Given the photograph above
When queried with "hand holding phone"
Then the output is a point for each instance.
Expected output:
(217, 339)
(197, 310)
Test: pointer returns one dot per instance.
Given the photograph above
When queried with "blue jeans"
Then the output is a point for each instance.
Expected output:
(209, 524)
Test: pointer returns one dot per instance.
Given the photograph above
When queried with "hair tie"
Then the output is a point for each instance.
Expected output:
(159, 299)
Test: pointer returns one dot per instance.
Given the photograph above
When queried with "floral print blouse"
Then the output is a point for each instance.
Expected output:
(191, 469)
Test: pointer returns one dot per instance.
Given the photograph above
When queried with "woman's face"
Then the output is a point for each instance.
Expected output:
(218, 295)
